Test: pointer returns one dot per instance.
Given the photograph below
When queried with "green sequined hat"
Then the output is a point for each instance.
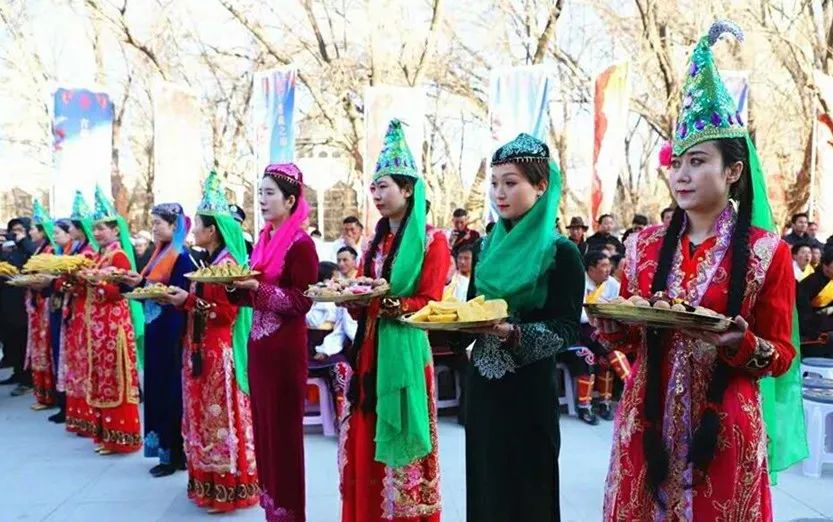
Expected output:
(39, 214)
(396, 157)
(214, 200)
(104, 211)
(523, 149)
(80, 209)
(709, 111)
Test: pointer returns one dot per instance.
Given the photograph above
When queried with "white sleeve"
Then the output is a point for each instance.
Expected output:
(333, 343)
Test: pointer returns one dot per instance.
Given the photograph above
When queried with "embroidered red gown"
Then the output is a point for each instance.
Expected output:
(278, 377)
(73, 374)
(370, 490)
(217, 417)
(113, 383)
(39, 343)
(736, 486)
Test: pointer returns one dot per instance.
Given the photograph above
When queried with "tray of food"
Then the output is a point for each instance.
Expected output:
(454, 315)
(52, 264)
(30, 280)
(104, 275)
(222, 274)
(153, 291)
(8, 269)
(346, 290)
(659, 312)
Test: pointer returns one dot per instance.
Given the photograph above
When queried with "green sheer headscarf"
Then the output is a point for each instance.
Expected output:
(516, 257)
(41, 217)
(402, 423)
(709, 113)
(82, 214)
(105, 212)
(214, 204)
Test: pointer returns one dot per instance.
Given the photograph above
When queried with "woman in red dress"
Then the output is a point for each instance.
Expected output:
(689, 441)
(113, 382)
(217, 418)
(38, 346)
(285, 256)
(74, 369)
(388, 456)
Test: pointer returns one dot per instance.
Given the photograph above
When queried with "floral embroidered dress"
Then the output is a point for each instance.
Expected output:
(370, 490)
(217, 418)
(278, 377)
(74, 370)
(113, 383)
(38, 345)
(736, 486)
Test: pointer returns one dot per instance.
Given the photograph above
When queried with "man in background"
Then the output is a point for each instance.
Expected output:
(17, 249)
(576, 232)
(604, 235)
(460, 233)
(799, 222)
(352, 235)
(142, 247)
(666, 215)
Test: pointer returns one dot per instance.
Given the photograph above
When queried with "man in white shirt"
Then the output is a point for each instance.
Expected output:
(590, 363)
(459, 285)
(802, 255)
(352, 235)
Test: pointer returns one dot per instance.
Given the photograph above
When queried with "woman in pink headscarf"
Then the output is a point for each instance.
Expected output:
(285, 255)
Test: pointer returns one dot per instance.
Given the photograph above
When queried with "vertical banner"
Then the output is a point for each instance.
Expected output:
(737, 83)
(82, 128)
(382, 104)
(178, 165)
(518, 102)
(612, 95)
(821, 177)
(273, 112)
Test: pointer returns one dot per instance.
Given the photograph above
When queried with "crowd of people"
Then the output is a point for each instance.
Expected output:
(225, 368)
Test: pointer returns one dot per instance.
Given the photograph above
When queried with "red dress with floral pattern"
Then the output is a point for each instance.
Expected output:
(370, 490)
(113, 383)
(217, 417)
(736, 484)
(72, 375)
(39, 344)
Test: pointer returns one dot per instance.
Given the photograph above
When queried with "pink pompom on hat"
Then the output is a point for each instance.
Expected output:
(665, 154)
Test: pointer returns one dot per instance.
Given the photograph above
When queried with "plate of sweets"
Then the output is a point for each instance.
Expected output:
(153, 291)
(345, 290)
(222, 274)
(8, 269)
(454, 315)
(52, 264)
(30, 280)
(659, 311)
(103, 275)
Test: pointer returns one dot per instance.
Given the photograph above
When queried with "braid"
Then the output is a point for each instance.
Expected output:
(653, 447)
(704, 443)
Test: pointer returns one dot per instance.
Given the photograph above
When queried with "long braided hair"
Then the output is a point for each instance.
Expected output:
(367, 382)
(702, 449)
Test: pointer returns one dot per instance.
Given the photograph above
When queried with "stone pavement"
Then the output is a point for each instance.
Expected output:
(50, 475)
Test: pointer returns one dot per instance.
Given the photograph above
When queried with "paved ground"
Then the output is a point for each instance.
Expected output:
(51, 475)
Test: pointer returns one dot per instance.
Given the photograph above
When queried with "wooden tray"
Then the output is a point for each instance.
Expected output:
(221, 279)
(380, 291)
(658, 318)
(143, 296)
(450, 327)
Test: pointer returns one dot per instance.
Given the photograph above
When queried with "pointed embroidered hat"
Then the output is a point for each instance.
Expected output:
(104, 210)
(80, 209)
(709, 111)
(396, 157)
(214, 200)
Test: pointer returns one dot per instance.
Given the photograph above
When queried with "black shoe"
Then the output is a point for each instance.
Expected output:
(58, 418)
(162, 470)
(21, 389)
(587, 415)
(11, 380)
(606, 411)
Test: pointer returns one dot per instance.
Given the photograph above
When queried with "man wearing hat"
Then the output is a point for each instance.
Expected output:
(576, 231)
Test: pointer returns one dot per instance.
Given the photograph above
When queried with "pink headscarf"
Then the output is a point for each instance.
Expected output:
(270, 251)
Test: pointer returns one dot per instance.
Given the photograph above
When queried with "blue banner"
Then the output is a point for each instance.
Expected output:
(275, 116)
(82, 129)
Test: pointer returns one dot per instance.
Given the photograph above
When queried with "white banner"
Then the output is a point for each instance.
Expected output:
(381, 105)
(177, 147)
(821, 189)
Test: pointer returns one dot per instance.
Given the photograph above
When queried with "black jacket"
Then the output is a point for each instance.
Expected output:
(810, 324)
(12, 305)
(598, 241)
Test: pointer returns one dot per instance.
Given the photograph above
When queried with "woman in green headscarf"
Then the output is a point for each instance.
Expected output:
(512, 436)
(690, 441)
(217, 419)
(389, 460)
